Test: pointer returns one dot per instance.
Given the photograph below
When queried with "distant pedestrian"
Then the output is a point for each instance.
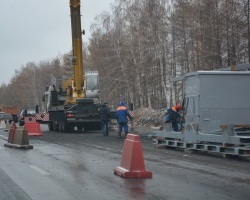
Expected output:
(104, 113)
(37, 109)
(122, 115)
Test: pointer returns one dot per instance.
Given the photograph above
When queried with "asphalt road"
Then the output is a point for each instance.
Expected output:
(81, 166)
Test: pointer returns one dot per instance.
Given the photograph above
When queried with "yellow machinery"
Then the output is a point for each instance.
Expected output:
(74, 105)
(75, 86)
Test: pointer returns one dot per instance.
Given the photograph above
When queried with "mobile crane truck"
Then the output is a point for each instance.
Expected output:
(75, 105)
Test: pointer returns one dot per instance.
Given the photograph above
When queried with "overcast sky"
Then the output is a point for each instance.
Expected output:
(36, 30)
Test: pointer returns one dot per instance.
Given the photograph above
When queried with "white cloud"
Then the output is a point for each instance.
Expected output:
(35, 30)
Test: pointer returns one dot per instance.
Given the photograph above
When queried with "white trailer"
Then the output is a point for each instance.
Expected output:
(216, 111)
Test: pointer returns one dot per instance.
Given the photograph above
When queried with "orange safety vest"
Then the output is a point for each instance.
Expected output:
(174, 109)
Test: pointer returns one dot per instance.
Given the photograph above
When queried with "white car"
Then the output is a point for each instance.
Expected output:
(25, 113)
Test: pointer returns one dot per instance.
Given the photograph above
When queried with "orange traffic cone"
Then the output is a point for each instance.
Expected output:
(132, 164)
(18, 138)
(12, 132)
(33, 129)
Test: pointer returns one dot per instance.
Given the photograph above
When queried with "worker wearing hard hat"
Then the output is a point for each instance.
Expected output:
(122, 116)
(173, 116)
(104, 113)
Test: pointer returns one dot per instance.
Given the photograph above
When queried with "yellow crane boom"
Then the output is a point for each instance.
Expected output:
(78, 83)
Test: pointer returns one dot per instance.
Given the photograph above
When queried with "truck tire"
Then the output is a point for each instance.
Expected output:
(62, 127)
(56, 127)
(79, 127)
(51, 127)
(87, 127)
(70, 128)
(95, 126)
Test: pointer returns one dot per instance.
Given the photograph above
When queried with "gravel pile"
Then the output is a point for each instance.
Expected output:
(145, 120)
(147, 117)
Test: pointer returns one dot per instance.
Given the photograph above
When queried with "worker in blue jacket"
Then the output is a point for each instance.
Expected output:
(173, 116)
(122, 115)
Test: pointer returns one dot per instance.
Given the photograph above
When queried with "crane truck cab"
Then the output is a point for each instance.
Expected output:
(82, 114)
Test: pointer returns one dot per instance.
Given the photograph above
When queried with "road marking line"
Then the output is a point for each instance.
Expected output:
(38, 170)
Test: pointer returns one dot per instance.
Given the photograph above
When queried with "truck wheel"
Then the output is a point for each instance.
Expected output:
(51, 128)
(62, 127)
(87, 127)
(79, 127)
(56, 127)
(70, 128)
(95, 126)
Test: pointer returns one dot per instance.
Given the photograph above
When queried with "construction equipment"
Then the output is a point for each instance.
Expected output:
(75, 104)
(216, 113)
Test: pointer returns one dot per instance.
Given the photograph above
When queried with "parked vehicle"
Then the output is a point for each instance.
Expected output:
(25, 113)
(12, 110)
(6, 117)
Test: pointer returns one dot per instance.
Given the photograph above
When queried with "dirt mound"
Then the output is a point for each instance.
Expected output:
(144, 120)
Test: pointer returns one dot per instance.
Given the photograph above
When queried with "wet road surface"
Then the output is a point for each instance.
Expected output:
(81, 166)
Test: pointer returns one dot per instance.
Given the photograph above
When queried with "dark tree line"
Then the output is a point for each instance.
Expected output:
(141, 44)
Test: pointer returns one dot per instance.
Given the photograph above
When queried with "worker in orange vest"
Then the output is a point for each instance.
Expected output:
(122, 116)
(173, 116)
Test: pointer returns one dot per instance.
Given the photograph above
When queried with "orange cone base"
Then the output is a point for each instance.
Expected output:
(33, 129)
(35, 134)
(119, 171)
(16, 146)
